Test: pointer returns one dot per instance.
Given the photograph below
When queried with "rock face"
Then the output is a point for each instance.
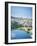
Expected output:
(27, 24)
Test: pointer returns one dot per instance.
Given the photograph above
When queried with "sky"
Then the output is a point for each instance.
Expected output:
(23, 12)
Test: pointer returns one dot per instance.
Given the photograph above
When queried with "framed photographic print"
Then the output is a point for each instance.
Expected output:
(20, 22)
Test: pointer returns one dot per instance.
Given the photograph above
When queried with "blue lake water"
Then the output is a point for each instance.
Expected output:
(20, 34)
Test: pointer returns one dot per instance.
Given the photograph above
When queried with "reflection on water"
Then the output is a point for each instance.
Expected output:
(19, 34)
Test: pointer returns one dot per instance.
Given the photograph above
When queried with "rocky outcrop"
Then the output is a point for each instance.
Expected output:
(27, 24)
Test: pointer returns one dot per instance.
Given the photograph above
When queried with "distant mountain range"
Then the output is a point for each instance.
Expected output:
(20, 18)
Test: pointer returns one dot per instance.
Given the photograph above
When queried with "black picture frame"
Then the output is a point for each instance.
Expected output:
(6, 22)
